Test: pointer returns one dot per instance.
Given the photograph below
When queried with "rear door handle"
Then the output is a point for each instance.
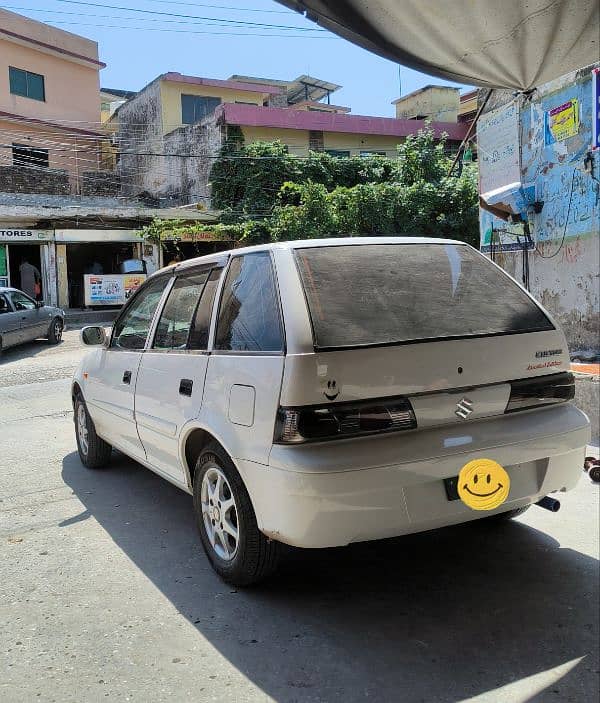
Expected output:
(185, 386)
(127, 377)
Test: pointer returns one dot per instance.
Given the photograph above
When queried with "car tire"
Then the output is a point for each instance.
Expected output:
(234, 545)
(94, 452)
(55, 330)
(509, 514)
(594, 473)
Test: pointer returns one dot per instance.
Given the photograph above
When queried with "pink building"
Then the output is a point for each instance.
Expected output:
(49, 106)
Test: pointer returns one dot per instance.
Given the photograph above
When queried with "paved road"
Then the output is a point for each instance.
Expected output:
(106, 594)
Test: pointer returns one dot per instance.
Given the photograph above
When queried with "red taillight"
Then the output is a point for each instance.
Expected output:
(317, 423)
(539, 391)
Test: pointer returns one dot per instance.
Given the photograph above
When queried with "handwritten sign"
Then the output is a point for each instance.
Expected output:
(498, 149)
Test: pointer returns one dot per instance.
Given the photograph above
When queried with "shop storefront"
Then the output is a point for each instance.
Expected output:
(27, 262)
(101, 267)
(188, 245)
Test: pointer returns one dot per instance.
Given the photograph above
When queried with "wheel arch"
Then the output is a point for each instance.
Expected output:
(194, 439)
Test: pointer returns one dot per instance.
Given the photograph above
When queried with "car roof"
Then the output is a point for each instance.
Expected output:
(5, 289)
(307, 243)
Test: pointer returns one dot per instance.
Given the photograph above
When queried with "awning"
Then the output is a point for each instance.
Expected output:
(514, 44)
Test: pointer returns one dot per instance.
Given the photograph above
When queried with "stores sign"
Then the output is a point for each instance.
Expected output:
(24, 235)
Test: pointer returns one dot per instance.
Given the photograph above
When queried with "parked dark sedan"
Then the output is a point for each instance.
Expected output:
(22, 319)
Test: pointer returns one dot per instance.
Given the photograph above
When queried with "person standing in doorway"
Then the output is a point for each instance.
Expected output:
(30, 279)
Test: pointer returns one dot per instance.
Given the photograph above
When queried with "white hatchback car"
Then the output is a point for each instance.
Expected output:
(324, 392)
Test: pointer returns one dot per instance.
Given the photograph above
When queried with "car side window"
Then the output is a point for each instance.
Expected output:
(176, 318)
(198, 338)
(22, 301)
(4, 305)
(132, 327)
(249, 315)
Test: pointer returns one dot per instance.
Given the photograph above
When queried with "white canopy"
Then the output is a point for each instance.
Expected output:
(515, 44)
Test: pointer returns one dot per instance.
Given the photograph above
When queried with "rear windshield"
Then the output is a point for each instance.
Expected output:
(377, 294)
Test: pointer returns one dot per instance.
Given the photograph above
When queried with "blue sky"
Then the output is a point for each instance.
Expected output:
(209, 38)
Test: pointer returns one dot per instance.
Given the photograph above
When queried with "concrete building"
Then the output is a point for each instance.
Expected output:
(49, 108)
(539, 161)
(171, 131)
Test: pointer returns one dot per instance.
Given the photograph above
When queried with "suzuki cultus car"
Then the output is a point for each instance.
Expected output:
(324, 392)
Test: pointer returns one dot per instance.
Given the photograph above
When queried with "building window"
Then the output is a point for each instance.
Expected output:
(373, 153)
(29, 156)
(196, 107)
(27, 84)
(338, 153)
(315, 140)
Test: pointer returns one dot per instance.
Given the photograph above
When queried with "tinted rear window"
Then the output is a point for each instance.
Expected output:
(392, 293)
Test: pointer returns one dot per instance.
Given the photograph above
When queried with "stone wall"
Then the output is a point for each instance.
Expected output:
(100, 183)
(17, 179)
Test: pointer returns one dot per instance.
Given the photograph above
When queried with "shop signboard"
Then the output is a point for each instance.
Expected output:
(25, 235)
(114, 289)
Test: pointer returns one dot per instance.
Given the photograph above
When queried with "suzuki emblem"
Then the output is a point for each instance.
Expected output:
(464, 408)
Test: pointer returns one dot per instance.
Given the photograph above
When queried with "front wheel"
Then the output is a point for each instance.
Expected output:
(234, 545)
(93, 451)
(594, 473)
(55, 331)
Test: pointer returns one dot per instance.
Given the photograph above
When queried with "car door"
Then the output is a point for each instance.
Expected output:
(171, 377)
(33, 321)
(10, 323)
(111, 381)
(245, 367)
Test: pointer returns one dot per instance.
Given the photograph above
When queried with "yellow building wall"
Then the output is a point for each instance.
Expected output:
(468, 105)
(297, 140)
(440, 104)
(171, 93)
(355, 143)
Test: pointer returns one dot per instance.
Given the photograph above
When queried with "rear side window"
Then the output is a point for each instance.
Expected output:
(393, 293)
(175, 321)
(249, 315)
(198, 338)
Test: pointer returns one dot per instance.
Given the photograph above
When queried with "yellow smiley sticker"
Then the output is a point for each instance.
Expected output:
(483, 484)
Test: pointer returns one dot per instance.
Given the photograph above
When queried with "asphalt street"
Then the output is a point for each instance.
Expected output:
(107, 595)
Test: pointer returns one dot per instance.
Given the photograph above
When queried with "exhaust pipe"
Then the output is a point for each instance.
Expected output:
(550, 504)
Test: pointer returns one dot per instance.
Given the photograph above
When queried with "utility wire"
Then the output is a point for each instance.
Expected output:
(193, 17)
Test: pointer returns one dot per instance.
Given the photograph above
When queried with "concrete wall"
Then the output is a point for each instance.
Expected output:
(440, 103)
(564, 267)
(140, 132)
(14, 179)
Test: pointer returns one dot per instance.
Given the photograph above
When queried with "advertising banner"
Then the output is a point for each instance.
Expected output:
(111, 289)
(562, 122)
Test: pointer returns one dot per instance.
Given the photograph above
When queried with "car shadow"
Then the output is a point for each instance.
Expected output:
(440, 616)
(27, 350)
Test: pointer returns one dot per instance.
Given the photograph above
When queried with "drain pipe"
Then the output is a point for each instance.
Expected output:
(550, 504)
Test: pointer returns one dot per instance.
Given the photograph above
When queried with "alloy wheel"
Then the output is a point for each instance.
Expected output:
(219, 513)
(82, 429)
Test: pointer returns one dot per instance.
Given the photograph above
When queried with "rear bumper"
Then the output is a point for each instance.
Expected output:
(351, 491)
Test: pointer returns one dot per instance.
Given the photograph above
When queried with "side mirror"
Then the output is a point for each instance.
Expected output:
(93, 336)
(40, 304)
